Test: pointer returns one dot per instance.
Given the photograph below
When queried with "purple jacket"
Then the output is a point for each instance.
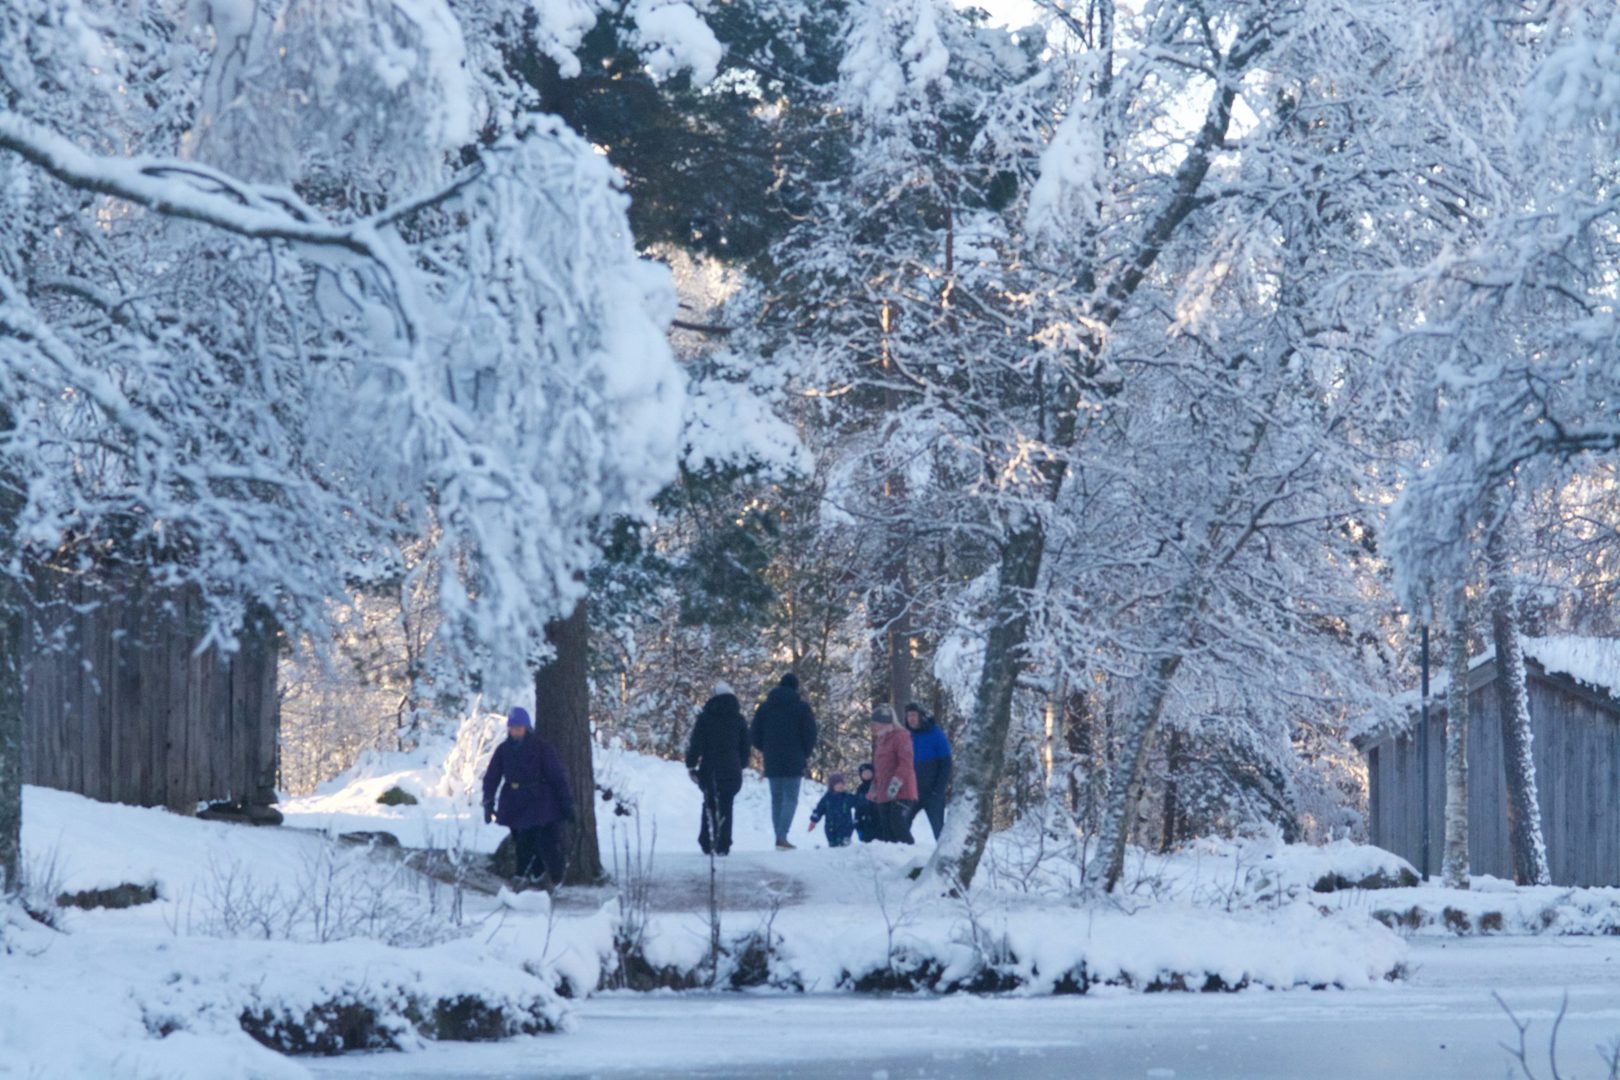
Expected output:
(535, 789)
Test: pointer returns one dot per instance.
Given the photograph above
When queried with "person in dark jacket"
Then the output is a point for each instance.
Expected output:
(866, 811)
(838, 807)
(715, 757)
(931, 756)
(533, 799)
(784, 732)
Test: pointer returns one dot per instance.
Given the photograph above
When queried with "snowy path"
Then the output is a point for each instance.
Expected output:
(1442, 1024)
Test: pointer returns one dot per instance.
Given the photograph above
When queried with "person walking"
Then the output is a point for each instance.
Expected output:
(838, 807)
(716, 754)
(526, 790)
(784, 732)
(931, 755)
(894, 780)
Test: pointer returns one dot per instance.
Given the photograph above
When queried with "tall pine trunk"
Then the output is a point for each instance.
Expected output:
(1454, 861)
(1529, 848)
(562, 715)
(11, 683)
(891, 641)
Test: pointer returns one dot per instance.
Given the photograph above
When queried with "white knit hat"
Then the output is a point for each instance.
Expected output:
(723, 687)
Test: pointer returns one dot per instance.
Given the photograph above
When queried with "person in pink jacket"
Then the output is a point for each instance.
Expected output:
(894, 783)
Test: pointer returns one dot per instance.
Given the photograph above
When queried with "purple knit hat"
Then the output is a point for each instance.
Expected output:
(834, 779)
(519, 717)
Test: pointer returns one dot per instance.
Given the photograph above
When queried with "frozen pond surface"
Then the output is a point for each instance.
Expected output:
(1441, 1024)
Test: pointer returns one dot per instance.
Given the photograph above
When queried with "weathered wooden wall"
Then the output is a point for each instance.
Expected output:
(1577, 751)
(119, 706)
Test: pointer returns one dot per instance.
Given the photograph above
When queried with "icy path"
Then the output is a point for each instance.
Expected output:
(1442, 1024)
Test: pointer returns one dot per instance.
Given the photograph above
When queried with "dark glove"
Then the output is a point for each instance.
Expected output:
(489, 812)
(693, 774)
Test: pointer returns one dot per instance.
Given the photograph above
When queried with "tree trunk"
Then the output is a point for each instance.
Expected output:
(1454, 860)
(1172, 812)
(893, 639)
(1057, 704)
(892, 642)
(1107, 863)
(1099, 766)
(562, 715)
(11, 685)
(1518, 757)
(983, 748)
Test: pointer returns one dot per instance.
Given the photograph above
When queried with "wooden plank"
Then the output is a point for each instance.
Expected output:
(1375, 789)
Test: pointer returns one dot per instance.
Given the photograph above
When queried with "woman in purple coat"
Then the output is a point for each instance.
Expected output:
(534, 799)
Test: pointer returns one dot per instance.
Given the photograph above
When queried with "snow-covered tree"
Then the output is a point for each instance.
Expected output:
(1454, 860)
(291, 321)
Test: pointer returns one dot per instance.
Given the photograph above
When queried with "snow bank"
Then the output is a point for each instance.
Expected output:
(95, 845)
(100, 1004)
(445, 776)
(1494, 906)
(1232, 873)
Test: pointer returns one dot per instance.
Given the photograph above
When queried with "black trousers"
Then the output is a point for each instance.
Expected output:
(933, 781)
(894, 821)
(714, 834)
(539, 851)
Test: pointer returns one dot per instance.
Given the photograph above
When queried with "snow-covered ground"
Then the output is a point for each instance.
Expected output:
(446, 778)
(1442, 1024)
(294, 927)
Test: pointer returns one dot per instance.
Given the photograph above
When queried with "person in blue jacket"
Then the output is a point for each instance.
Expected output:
(838, 807)
(931, 753)
(528, 779)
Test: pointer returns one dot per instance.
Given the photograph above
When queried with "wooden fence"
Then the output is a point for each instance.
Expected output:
(119, 705)
(1577, 753)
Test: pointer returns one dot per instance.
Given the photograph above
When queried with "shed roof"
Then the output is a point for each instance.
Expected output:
(1589, 662)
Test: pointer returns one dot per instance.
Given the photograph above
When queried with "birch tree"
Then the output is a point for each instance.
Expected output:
(1526, 840)
(1454, 859)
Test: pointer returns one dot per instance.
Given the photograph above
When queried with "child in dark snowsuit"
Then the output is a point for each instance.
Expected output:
(838, 807)
(866, 812)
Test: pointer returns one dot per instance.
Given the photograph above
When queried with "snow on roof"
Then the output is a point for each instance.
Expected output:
(1592, 662)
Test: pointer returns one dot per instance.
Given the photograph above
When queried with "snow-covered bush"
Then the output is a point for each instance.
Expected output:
(338, 893)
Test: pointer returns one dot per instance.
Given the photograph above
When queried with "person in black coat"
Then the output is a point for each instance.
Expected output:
(867, 825)
(715, 757)
(784, 732)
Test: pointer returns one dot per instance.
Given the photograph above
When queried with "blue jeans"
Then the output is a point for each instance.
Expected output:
(784, 803)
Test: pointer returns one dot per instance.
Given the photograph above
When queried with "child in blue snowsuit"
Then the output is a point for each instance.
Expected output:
(838, 807)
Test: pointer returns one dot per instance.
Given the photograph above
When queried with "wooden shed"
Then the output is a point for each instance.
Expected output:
(1575, 720)
(120, 705)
